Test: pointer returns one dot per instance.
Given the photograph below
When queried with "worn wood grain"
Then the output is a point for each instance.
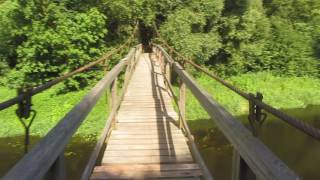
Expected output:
(146, 132)
(144, 174)
(154, 152)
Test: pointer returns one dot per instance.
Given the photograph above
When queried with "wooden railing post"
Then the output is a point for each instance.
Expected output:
(182, 102)
(240, 169)
(168, 74)
(57, 171)
(114, 93)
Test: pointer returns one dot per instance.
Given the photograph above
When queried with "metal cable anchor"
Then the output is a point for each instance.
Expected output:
(256, 116)
(25, 114)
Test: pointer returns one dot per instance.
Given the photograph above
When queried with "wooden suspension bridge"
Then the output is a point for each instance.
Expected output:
(145, 137)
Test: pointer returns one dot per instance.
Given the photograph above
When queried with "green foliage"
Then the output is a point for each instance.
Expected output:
(45, 39)
(293, 55)
(241, 36)
(55, 42)
(191, 32)
(6, 45)
(245, 41)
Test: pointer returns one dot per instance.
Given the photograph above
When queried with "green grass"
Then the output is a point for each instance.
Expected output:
(280, 92)
(50, 109)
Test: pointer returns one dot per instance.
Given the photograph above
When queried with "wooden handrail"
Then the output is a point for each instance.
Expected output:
(259, 158)
(297, 123)
(110, 120)
(183, 123)
(37, 162)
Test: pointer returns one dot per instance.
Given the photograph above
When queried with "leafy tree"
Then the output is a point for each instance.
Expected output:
(245, 37)
(54, 41)
(43, 39)
(192, 31)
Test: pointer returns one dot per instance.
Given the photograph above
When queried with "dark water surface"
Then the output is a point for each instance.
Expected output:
(76, 154)
(299, 151)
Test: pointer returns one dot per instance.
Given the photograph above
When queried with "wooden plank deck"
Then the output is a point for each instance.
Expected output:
(147, 143)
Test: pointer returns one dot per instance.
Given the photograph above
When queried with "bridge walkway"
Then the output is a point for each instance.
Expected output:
(147, 142)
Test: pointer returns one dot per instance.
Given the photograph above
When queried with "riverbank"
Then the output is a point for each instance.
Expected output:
(280, 92)
(51, 107)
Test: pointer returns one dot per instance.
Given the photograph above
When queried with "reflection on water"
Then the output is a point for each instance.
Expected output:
(299, 151)
(76, 154)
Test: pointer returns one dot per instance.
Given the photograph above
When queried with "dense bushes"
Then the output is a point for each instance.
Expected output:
(239, 36)
(40, 39)
(47, 40)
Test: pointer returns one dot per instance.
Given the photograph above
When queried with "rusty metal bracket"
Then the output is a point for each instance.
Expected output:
(256, 117)
(25, 114)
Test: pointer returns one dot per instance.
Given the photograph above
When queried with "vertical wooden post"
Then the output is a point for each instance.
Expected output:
(240, 169)
(182, 102)
(235, 165)
(107, 92)
(57, 171)
(114, 93)
(168, 74)
(157, 54)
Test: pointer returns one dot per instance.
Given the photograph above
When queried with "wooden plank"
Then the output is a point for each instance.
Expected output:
(147, 95)
(149, 132)
(144, 175)
(164, 117)
(145, 146)
(149, 106)
(135, 106)
(143, 136)
(147, 111)
(147, 167)
(143, 141)
(161, 123)
(131, 153)
(143, 125)
(176, 178)
(185, 178)
(146, 159)
(146, 101)
(146, 133)
(155, 121)
(149, 115)
(146, 120)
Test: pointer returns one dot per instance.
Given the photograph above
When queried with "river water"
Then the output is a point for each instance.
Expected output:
(299, 151)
